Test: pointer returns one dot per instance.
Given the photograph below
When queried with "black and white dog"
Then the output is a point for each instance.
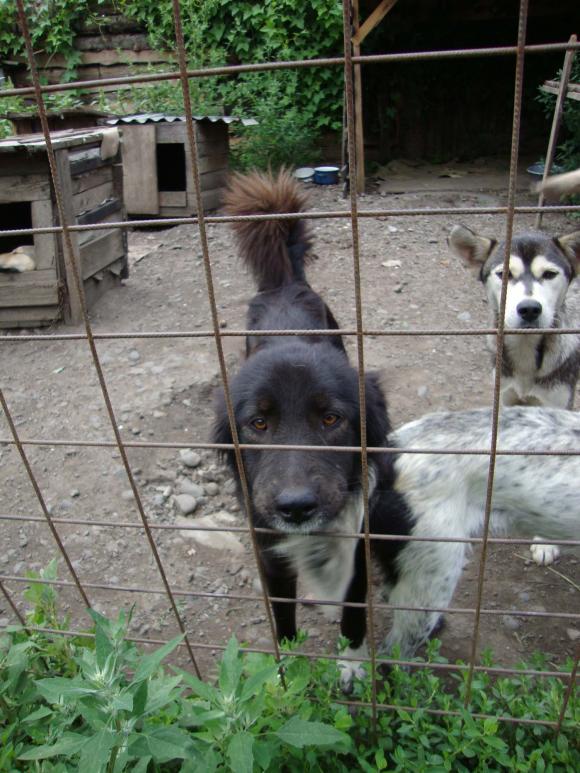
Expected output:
(536, 369)
(303, 392)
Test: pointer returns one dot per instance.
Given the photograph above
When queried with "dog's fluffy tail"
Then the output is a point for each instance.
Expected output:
(275, 251)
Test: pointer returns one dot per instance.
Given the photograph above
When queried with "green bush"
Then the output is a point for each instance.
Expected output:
(568, 151)
(292, 107)
(100, 705)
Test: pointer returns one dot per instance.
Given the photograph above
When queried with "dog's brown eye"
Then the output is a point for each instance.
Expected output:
(549, 274)
(330, 419)
(499, 274)
(260, 424)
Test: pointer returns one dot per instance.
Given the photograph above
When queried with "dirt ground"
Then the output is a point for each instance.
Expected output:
(162, 391)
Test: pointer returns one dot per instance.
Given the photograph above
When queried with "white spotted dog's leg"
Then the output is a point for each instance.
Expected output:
(543, 554)
(352, 669)
(428, 574)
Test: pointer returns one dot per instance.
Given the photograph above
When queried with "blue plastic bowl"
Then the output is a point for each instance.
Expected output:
(326, 175)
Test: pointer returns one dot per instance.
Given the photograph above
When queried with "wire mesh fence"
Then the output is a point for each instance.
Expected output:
(359, 332)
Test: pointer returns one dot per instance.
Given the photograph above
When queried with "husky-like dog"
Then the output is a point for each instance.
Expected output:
(302, 391)
(536, 369)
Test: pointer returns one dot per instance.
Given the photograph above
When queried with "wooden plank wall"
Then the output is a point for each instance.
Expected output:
(92, 192)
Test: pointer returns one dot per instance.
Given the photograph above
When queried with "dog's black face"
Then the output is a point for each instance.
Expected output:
(300, 394)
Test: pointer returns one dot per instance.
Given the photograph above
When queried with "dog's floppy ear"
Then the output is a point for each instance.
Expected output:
(378, 425)
(570, 246)
(472, 248)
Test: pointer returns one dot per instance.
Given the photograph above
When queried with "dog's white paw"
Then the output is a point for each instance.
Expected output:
(543, 554)
(352, 669)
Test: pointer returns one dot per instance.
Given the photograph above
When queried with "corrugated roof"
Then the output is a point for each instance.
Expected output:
(167, 118)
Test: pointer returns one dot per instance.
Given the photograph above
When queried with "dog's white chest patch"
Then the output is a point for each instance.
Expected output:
(325, 564)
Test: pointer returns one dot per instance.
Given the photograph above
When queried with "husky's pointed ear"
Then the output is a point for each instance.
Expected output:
(378, 424)
(472, 248)
(570, 245)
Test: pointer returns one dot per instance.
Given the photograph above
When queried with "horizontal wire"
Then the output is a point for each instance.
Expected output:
(187, 443)
(421, 665)
(435, 332)
(239, 69)
(448, 712)
(308, 215)
(285, 600)
(273, 532)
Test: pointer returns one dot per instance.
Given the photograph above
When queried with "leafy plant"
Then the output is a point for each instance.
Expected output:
(103, 706)
(568, 151)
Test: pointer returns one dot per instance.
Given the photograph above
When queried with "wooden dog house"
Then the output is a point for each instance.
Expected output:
(157, 168)
(90, 173)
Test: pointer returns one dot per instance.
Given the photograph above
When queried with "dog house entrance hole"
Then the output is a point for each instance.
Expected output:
(171, 166)
(13, 216)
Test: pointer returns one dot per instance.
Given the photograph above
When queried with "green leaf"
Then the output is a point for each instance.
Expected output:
(97, 751)
(199, 688)
(149, 664)
(264, 752)
(380, 760)
(55, 688)
(40, 713)
(122, 702)
(230, 668)
(300, 733)
(162, 743)
(255, 683)
(140, 698)
(142, 765)
(103, 645)
(69, 744)
(240, 752)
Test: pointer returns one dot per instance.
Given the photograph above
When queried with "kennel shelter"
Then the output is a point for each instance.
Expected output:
(89, 166)
(158, 170)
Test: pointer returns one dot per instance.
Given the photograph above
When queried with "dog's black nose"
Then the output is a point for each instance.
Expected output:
(296, 504)
(529, 310)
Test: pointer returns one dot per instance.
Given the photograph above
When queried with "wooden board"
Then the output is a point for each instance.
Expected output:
(91, 179)
(172, 132)
(211, 180)
(44, 244)
(140, 170)
(87, 236)
(24, 187)
(86, 159)
(110, 279)
(100, 213)
(172, 199)
(33, 288)
(102, 251)
(89, 199)
(210, 199)
(29, 316)
(21, 162)
(73, 310)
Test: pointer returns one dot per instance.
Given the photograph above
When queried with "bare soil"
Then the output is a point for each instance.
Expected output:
(161, 391)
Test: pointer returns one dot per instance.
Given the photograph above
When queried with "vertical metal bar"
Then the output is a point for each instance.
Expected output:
(214, 314)
(41, 501)
(518, 91)
(350, 123)
(78, 286)
(569, 691)
(556, 121)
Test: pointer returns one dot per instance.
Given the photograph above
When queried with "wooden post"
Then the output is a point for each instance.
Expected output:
(360, 31)
(556, 121)
(73, 313)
